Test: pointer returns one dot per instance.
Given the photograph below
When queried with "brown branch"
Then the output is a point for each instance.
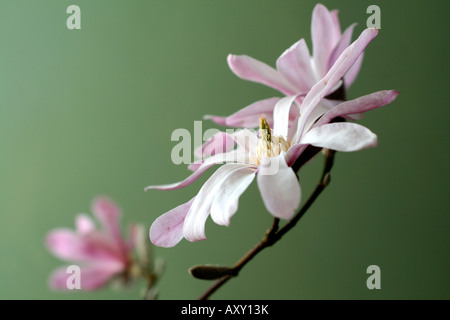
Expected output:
(274, 234)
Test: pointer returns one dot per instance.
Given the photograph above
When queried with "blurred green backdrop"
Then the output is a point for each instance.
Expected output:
(91, 111)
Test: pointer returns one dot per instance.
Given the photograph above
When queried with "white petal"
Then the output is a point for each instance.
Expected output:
(281, 116)
(341, 136)
(225, 202)
(194, 224)
(279, 187)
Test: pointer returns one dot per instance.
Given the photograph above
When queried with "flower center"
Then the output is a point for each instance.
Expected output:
(269, 145)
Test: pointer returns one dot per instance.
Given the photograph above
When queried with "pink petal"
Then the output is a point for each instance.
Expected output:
(248, 68)
(293, 153)
(232, 156)
(195, 165)
(84, 224)
(324, 86)
(280, 189)
(225, 202)
(167, 230)
(343, 43)
(325, 37)
(323, 107)
(67, 245)
(341, 136)
(336, 25)
(199, 170)
(194, 223)
(361, 104)
(221, 142)
(248, 117)
(353, 72)
(108, 213)
(295, 65)
(91, 278)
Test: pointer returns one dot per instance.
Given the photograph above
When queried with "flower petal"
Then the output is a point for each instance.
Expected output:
(167, 230)
(84, 224)
(194, 223)
(343, 43)
(245, 139)
(361, 104)
(341, 136)
(323, 87)
(248, 68)
(279, 187)
(281, 116)
(67, 245)
(353, 72)
(295, 65)
(248, 117)
(199, 170)
(336, 25)
(108, 213)
(225, 202)
(91, 278)
(325, 37)
(221, 142)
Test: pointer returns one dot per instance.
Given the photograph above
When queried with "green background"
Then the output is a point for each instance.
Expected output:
(91, 111)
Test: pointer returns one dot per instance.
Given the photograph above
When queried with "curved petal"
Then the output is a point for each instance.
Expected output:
(205, 165)
(343, 43)
(323, 87)
(167, 230)
(295, 65)
(281, 116)
(361, 104)
(248, 68)
(353, 72)
(194, 223)
(341, 136)
(225, 202)
(108, 213)
(336, 25)
(248, 117)
(325, 37)
(280, 189)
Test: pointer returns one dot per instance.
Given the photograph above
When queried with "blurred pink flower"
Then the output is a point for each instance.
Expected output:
(101, 253)
(296, 70)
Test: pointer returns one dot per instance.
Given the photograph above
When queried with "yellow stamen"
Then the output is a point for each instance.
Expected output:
(268, 146)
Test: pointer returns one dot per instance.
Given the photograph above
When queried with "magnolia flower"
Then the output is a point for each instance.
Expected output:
(269, 155)
(296, 71)
(101, 253)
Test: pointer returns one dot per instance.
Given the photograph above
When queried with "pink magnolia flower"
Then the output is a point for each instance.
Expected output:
(296, 71)
(270, 155)
(101, 253)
